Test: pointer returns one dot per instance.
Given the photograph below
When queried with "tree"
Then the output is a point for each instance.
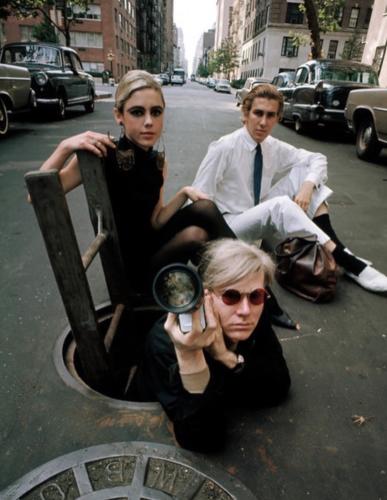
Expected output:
(322, 16)
(353, 47)
(45, 32)
(226, 58)
(35, 8)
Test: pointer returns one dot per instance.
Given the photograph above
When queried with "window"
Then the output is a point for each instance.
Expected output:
(86, 39)
(288, 49)
(354, 17)
(293, 14)
(368, 17)
(26, 34)
(332, 49)
(93, 12)
(301, 75)
(93, 66)
(378, 58)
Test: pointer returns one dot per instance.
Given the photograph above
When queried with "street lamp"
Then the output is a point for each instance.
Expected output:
(110, 57)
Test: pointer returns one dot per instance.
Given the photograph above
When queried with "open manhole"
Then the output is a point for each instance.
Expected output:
(127, 351)
(130, 471)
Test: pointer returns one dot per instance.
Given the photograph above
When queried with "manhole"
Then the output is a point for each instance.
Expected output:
(130, 471)
(67, 363)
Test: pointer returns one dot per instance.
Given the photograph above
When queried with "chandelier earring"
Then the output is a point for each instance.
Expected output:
(161, 152)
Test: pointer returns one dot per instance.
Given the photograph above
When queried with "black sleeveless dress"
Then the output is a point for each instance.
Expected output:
(134, 178)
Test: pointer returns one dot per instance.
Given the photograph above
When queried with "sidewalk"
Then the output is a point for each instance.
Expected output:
(103, 90)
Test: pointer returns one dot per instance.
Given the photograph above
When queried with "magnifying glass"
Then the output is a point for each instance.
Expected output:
(177, 288)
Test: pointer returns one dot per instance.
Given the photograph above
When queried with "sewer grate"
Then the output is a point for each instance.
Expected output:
(130, 471)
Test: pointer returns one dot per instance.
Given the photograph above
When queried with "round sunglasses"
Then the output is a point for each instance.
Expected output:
(232, 297)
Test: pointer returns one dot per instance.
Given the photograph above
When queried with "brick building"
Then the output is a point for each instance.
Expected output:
(107, 36)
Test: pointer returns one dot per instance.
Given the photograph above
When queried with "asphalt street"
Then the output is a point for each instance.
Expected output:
(310, 447)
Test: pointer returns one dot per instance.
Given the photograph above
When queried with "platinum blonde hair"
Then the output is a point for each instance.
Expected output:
(226, 261)
(132, 81)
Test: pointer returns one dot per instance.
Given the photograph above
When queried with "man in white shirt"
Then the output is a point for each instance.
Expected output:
(268, 189)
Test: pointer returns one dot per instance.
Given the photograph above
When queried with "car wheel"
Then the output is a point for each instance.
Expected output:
(89, 106)
(299, 125)
(367, 145)
(4, 121)
(61, 109)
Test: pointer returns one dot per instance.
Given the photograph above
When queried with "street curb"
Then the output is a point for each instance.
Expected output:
(103, 95)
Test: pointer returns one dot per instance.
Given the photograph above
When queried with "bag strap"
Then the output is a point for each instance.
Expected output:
(307, 243)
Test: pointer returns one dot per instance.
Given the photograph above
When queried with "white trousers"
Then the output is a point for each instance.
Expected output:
(277, 216)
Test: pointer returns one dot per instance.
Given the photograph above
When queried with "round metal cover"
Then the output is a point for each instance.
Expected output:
(130, 471)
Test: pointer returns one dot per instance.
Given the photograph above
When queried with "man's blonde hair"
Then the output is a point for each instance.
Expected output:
(132, 81)
(226, 261)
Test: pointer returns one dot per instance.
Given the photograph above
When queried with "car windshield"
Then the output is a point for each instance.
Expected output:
(348, 74)
(35, 54)
(224, 82)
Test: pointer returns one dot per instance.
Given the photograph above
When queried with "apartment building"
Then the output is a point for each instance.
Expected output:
(267, 46)
(223, 12)
(376, 42)
(117, 35)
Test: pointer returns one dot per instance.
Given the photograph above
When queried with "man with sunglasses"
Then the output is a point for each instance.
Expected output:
(236, 360)
(268, 189)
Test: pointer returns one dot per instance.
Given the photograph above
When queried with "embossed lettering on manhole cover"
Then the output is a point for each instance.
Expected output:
(128, 471)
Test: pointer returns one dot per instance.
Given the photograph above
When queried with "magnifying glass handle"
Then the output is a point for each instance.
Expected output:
(185, 320)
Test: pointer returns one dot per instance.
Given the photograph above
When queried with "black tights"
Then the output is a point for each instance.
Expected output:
(184, 235)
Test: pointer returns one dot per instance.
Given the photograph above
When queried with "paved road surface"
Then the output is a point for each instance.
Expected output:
(309, 447)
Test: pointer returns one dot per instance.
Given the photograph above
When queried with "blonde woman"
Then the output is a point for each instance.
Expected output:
(151, 233)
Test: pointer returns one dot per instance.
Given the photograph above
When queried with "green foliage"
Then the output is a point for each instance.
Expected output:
(226, 58)
(45, 32)
(34, 8)
(202, 71)
(322, 16)
(328, 13)
(353, 48)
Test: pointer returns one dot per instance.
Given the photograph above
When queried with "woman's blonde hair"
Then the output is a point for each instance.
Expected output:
(226, 261)
(132, 81)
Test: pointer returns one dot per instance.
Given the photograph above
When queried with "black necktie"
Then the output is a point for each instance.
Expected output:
(257, 173)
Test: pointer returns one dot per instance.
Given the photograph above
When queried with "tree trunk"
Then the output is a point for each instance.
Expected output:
(313, 25)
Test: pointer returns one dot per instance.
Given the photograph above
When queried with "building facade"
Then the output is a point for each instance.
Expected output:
(376, 42)
(223, 11)
(155, 35)
(114, 35)
(104, 35)
(268, 27)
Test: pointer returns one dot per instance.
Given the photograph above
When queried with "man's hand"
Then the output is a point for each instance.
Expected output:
(304, 195)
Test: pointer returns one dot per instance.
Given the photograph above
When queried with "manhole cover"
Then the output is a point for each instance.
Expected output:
(130, 471)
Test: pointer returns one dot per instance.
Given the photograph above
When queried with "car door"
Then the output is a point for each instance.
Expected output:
(81, 77)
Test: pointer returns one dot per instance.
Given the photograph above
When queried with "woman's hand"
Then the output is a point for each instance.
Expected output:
(94, 142)
(304, 196)
(194, 194)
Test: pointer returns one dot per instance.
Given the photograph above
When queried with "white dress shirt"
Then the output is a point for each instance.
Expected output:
(226, 173)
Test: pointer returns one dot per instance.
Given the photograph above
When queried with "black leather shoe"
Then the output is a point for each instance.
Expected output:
(284, 320)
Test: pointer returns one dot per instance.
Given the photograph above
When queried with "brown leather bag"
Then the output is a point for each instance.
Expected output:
(305, 268)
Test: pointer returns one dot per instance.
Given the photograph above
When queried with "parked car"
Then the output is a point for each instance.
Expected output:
(223, 86)
(250, 83)
(284, 79)
(211, 82)
(57, 75)
(366, 115)
(158, 79)
(165, 78)
(320, 91)
(177, 80)
(15, 93)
